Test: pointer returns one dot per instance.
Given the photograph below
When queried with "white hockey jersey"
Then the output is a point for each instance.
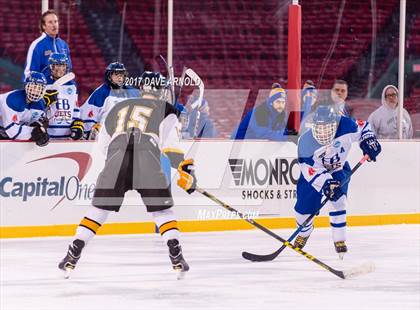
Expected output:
(317, 162)
(64, 112)
(16, 115)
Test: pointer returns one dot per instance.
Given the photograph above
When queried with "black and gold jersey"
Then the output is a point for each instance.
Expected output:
(144, 114)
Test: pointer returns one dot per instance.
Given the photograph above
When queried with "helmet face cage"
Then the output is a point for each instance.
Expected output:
(324, 133)
(34, 91)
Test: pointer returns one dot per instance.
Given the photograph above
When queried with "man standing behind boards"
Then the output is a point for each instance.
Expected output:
(49, 42)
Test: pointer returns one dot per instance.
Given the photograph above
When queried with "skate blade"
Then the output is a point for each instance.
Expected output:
(67, 273)
(180, 274)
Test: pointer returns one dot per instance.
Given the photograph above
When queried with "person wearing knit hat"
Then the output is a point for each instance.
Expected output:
(267, 121)
(384, 119)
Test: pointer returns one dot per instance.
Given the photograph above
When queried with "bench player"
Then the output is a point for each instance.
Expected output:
(22, 111)
(62, 110)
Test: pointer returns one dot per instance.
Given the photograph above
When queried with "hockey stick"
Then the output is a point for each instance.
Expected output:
(182, 81)
(343, 274)
(61, 81)
(199, 82)
(270, 257)
(171, 78)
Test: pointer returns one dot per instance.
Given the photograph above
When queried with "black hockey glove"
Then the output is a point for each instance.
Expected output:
(371, 147)
(187, 180)
(39, 135)
(332, 189)
(76, 129)
(50, 97)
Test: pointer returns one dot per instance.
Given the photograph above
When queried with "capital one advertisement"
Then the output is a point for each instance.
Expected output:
(55, 184)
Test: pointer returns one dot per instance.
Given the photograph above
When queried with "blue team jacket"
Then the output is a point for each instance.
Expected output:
(41, 49)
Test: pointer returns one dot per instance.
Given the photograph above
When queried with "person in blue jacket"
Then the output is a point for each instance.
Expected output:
(49, 42)
(267, 121)
(204, 128)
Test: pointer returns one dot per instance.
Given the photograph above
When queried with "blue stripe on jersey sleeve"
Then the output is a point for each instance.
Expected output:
(307, 146)
(97, 98)
(18, 133)
(346, 125)
(9, 126)
(16, 100)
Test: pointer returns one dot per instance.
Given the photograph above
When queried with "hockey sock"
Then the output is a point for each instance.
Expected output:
(90, 224)
(338, 219)
(168, 226)
(307, 230)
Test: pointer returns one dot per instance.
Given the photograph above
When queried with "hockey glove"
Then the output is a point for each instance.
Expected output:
(41, 122)
(94, 131)
(76, 129)
(332, 189)
(39, 135)
(371, 147)
(187, 180)
(50, 97)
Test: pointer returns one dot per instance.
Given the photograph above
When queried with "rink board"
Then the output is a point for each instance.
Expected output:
(45, 191)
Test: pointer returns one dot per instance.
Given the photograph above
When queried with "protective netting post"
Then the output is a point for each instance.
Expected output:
(294, 65)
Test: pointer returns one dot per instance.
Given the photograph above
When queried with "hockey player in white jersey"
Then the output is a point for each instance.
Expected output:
(22, 111)
(322, 154)
(134, 135)
(103, 98)
(62, 110)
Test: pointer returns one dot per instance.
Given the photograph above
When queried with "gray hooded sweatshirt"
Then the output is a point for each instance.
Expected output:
(383, 120)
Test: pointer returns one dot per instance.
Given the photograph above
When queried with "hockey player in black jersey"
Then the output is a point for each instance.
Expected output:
(135, 133)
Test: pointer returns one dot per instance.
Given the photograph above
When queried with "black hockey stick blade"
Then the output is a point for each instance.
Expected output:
(261, 258)
(269, 257)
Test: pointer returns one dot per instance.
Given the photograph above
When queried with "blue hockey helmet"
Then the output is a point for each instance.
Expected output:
(324, 124)
(118, 68)
(35, 84)
(58, 59)
(54, 61)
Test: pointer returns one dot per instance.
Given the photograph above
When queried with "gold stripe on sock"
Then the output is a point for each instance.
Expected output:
(168, 226)
(90, 224)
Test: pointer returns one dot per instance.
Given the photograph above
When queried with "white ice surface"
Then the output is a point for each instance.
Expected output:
(133, 272)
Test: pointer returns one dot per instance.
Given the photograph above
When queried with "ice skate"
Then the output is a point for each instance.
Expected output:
(340, 248)
(300, 241)
(178, 262)
(73, 255)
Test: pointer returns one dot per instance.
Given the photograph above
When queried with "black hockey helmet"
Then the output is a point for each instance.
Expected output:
(115, 67)
(154, 83)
